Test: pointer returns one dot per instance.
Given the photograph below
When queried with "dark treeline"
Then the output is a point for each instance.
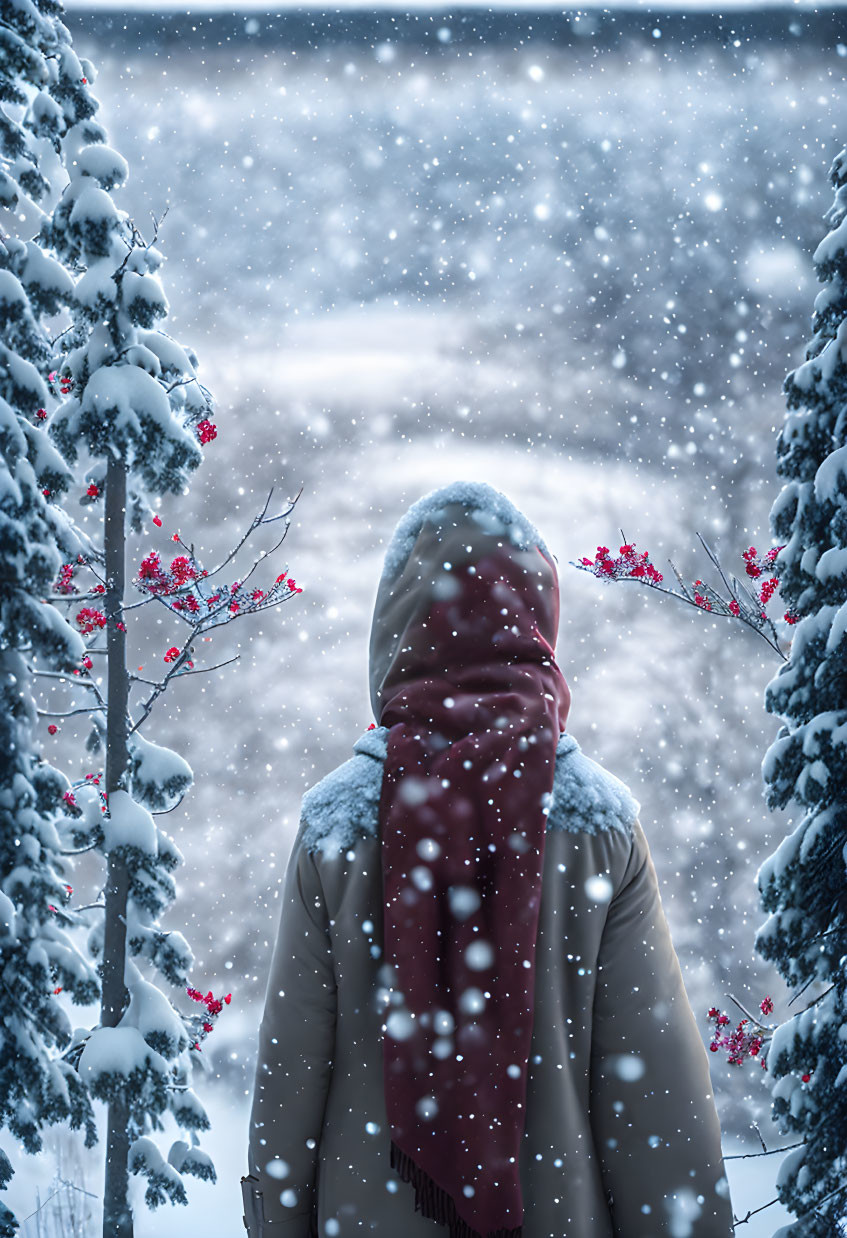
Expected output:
(602, 28)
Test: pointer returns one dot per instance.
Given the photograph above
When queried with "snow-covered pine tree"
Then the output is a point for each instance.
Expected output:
(802, 885)
(133, 401)
(38, 956)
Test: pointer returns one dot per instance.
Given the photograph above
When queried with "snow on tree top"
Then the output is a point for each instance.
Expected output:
(130, 394)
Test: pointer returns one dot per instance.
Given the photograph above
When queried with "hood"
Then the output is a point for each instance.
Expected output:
(438, 538)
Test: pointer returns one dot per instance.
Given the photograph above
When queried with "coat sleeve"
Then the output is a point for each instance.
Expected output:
(294, 1064)
(653, 1116)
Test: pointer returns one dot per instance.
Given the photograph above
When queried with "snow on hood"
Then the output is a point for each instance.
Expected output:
(441, 526)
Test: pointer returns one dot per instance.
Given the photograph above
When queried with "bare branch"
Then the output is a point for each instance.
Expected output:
(68, 713)
(753, 1212)
(722, 614)
(751, 1017)
(254, 524)
(717, 563)
(196, 670)
(203, 670)
(745, 1156)
(163, 812)
(683, 586)
(74, 679)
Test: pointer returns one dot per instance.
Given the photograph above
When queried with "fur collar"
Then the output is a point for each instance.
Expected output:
(345, 804)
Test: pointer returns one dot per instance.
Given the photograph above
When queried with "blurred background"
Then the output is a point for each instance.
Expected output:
(564, 252)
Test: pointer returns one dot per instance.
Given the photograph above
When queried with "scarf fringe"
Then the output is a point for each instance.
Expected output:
(434, 1203)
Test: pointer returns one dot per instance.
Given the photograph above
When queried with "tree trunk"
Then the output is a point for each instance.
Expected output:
(117, 1215)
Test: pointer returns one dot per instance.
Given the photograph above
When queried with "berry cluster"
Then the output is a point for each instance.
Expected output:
(739, 1043)
(171, 655)
(214, 1006)
(757, 566)
(89, 620)
(65, 580)
(628, 563)
(700, 599)
(65, 382)
(154, 578)
(632, 565)
(50, 907)
(206, 431)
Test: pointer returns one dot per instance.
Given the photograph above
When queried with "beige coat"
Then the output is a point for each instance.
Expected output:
(622, 1138)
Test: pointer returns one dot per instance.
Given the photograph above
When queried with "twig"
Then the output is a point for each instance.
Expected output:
(724, 614)
(812, 980)
(752, 1018)
(744, 1156)
(77, 680)
(163, 812)
(63, 675)
(204, 670)
(254, 524)
(81, 851)
(68, 713)
(162, 685)
(753, 1212)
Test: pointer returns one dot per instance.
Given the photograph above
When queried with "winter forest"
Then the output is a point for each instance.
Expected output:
(265, 280)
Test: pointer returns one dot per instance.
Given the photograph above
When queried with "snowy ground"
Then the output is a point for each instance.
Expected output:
(583, 285)
(215, 1210)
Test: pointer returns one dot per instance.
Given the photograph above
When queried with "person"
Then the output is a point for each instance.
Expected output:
(475, 1018)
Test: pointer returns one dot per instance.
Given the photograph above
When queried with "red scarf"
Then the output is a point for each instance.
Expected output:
(475, 704)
